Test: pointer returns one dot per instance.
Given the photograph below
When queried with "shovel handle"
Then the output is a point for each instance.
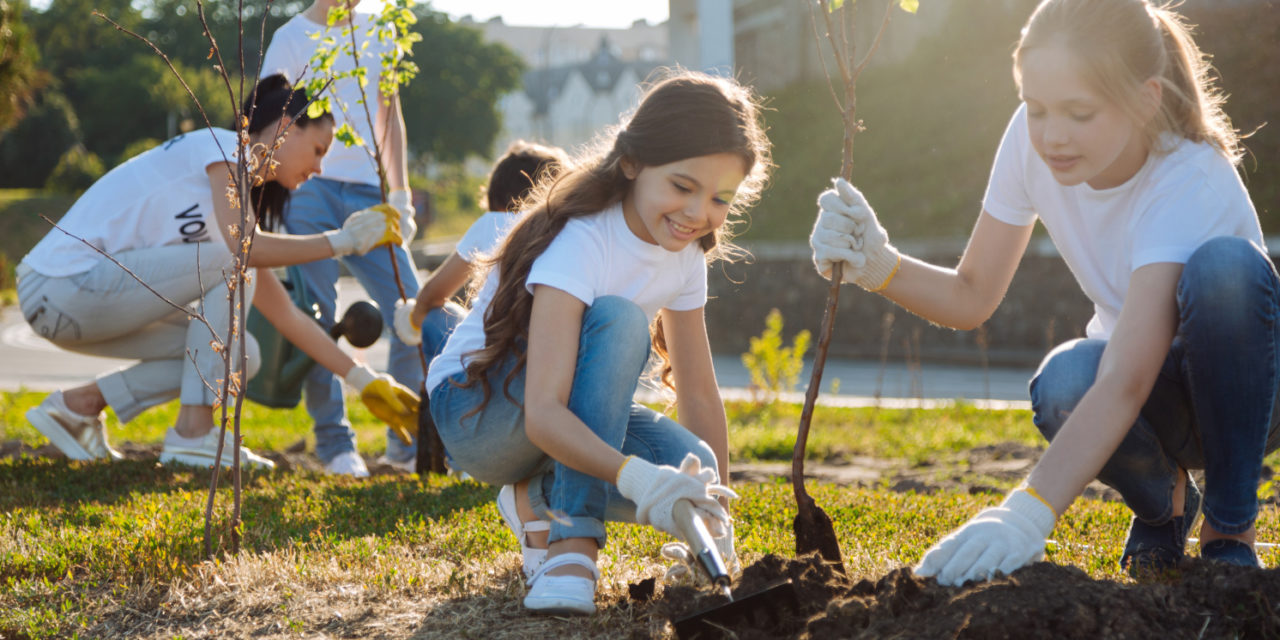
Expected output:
(700, 542)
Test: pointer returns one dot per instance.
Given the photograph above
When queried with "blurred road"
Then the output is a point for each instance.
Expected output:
(29, 362)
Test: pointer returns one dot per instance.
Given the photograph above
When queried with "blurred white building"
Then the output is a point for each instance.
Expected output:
(580, 79)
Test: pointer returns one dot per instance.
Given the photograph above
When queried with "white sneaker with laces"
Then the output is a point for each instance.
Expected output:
(348, 463)
(201, 452)
(563, 595)
(80, 437)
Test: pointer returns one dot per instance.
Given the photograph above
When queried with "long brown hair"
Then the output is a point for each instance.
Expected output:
(1123, 43)
(686, 115)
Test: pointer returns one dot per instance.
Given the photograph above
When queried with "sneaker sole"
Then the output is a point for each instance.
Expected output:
(205, 461)
(559, 606)
(57, 436)
(559, 610)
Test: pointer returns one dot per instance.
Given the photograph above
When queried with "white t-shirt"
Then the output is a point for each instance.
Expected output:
(593, 256)
(290, 53)
(483, 236)
(159, 197)
(1168, 209)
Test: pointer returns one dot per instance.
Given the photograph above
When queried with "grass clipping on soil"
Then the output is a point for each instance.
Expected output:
(1200, 599)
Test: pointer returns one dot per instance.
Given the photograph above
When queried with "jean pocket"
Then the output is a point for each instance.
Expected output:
(50, 323)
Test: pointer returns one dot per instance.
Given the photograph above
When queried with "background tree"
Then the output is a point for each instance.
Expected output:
(452, 106)
(30, 150)
(106, 91)
(19, 76)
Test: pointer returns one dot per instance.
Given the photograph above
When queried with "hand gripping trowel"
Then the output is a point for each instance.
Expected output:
(762, 609)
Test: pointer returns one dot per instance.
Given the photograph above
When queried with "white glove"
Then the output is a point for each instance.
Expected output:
(362, 231)
(847, 231)
(402, 200)
(359, 377)
(1002, 538)
(405, 330)
(655, 490)
(684, 559)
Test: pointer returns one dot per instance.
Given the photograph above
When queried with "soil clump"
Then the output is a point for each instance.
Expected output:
(1201, 599)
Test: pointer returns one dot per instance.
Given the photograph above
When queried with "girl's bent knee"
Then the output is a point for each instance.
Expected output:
(1222, 274)
(1063, 378)
(621, 322)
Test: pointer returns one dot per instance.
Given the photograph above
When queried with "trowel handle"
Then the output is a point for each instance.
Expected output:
(701, 543)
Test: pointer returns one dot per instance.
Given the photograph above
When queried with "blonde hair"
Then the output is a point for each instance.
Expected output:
(1123, 43)
(685, 115)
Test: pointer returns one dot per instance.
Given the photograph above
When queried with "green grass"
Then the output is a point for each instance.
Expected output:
(83, 544)
(913, 434)
(264, 428)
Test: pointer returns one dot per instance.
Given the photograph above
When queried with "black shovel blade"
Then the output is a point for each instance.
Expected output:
(815, 532)
(762, 610)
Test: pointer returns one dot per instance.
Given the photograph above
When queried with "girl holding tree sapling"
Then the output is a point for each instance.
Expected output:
(1122, 150)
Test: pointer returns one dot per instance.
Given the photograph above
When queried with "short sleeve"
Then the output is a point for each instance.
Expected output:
(484, 234)
(1186, 213)
(281, 58)
(574, 263)
(1006, 198)
(694, 293)
(211, 147)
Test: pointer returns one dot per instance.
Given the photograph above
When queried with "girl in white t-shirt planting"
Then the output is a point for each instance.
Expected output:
(1122, 150)
(155, 215)
(534, 388)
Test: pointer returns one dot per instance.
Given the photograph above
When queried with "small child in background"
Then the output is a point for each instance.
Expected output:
(431, 317)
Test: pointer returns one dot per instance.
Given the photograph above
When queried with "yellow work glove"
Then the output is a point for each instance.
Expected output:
(364, 230)
(392, 234)
(388, 400)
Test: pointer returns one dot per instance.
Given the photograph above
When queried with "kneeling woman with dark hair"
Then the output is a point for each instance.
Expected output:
(165, 215)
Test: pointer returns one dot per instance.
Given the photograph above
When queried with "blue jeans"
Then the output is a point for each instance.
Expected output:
(438, 326)
(1213, 404)
(321, 205)
(491, 444)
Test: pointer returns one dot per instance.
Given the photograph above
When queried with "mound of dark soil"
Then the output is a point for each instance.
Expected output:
(1200, 600)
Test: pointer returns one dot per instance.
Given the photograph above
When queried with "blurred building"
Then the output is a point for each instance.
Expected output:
(702, 33)
(772, 42)
(579, 78)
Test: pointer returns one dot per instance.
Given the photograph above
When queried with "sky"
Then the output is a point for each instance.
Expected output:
(560, 13)
(591, 13)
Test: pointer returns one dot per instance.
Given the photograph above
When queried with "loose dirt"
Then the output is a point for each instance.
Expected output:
(1200, 599)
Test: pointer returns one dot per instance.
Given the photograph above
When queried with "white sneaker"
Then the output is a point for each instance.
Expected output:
(563, 595)
(348, 463)
(406, 466)
(80, 437)
(201, 452)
